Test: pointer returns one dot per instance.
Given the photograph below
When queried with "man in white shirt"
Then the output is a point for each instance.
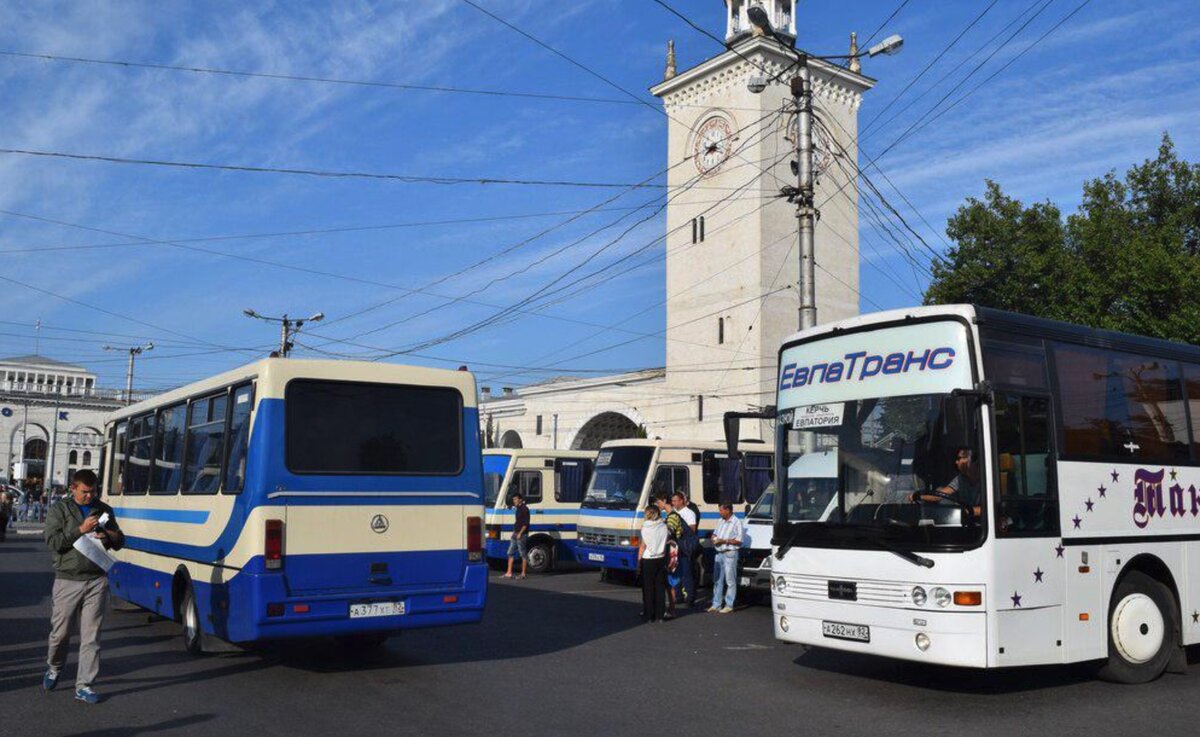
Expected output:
(727, 541)
(687, 580)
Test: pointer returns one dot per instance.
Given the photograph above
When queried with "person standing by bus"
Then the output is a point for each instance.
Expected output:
(652, 560)
(80, 586)
(688, 545)
(727, 540)
(520, 536)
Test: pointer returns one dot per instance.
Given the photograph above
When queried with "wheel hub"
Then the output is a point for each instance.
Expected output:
(1138, 628)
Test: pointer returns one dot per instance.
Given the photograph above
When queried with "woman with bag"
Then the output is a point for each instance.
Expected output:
(652, 560)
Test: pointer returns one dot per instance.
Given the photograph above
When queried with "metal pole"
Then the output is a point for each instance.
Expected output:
(48, 482)
(284, 327)
(129, 377)
(805, 211)
(556, 431)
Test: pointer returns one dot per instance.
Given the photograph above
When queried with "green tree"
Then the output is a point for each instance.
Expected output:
(1128, 259)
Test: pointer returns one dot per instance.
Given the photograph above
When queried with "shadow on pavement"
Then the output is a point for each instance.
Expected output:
(132, 731)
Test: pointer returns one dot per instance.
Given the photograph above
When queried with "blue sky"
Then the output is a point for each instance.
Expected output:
(1095, 96)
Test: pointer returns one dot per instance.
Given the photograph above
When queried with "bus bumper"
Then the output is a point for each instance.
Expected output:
(954, 637)
(268, 612)
(604, 556)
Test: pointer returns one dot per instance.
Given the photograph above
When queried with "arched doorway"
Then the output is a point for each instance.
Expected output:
(511, 439)
(35, 461)
(604, 427)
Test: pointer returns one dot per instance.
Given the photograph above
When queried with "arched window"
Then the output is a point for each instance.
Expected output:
(73, 457)
(87, 457)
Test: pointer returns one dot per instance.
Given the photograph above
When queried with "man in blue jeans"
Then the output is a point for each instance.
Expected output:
(726, 540)
(520, 537)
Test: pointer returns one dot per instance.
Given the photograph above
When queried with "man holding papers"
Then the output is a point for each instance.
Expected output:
(80, 529)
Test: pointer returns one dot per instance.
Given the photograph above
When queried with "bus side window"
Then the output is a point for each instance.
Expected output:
(759, 473)
(137, 462)
(720, 476)
(116, 468)
(1027, 490)
(207, 418)
(529, 484)
(570, 480)
(168, 445)
(239, 439)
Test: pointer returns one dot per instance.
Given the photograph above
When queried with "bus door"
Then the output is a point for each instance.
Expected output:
(1033, 579)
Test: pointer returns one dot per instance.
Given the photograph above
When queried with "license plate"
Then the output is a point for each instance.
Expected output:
(744, 581)
(377, 609)
(599, 557)
(841, 631)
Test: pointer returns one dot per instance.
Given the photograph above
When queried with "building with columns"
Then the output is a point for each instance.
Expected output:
(732, 261)
(51, 420)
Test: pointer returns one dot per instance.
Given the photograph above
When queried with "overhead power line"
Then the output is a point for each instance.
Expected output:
(308, 78)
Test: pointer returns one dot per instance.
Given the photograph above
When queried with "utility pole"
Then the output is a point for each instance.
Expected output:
(803, 196)
(287, 328)
(806, 211)
(133, 351)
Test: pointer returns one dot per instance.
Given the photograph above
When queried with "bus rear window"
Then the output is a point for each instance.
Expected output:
(336, 427)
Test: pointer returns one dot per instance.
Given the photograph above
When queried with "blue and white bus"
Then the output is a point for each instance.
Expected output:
(552, 483)
(294, 498)
(629, 473)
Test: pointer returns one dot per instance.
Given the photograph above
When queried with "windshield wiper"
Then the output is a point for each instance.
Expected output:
(791, 541)
(908, 555)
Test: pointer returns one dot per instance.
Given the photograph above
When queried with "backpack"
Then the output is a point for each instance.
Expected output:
(687, 541)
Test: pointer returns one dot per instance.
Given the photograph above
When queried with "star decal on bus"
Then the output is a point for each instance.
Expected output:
(1174, 473)
(1077, 521)
(1059, 550)
(1195, 617)
(1089, 504)
(1115, 475)
(1037, 575)
(1016, 599)
(1102, 491)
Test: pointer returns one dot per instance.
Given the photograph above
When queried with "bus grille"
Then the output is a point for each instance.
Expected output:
(595, 537)
(876, 593)
(754, 558)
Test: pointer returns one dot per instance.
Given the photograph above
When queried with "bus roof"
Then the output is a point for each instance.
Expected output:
(539, 453)
(675, 444)
(1026, 325)
(273, 374)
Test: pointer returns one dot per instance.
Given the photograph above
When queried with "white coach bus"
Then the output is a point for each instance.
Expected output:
(1010, 491)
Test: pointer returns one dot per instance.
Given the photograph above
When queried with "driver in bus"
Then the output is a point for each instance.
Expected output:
(964, 487)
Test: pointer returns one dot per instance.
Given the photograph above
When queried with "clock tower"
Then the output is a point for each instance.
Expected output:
(732, 263)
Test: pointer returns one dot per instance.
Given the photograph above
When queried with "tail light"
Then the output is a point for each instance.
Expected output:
(273, 549)
(493, 532)
(474, 538)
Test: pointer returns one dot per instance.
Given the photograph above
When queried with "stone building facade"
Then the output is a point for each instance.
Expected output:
(732, 262)
(51, 420)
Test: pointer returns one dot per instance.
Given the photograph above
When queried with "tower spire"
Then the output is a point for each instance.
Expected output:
(670, 70)
(855, 65)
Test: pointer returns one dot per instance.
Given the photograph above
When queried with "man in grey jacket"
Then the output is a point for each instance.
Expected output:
(80, 586)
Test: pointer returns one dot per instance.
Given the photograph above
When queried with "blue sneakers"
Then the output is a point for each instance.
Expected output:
(49, 681)
(87, 695)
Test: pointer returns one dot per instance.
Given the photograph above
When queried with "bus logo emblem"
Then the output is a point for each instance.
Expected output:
(379, 524)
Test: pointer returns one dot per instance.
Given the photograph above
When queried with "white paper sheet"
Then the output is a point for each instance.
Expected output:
(93, 550)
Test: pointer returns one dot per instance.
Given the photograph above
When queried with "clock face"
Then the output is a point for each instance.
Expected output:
(823, 152)
(713, 144)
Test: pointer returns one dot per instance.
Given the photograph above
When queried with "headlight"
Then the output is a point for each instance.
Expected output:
(784, 624)
(923, 642)
(941, 596)
(780, 584)
(918, 596)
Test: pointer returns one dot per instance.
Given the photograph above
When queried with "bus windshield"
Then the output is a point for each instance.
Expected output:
(764, 508)
(619, 477)
(905, 468)
(494, 468)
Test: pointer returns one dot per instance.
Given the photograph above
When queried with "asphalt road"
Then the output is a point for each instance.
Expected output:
(560, 654)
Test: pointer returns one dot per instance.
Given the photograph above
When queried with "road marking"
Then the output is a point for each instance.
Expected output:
(750, 646)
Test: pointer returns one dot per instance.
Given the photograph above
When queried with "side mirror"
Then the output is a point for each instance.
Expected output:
(733, 427)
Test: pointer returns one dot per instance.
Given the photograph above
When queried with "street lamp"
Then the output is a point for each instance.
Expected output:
(288, 327)
(806, 211)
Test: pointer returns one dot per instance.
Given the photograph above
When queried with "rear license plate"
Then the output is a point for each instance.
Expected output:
(842, 631)
(598, 557)
(377, 609)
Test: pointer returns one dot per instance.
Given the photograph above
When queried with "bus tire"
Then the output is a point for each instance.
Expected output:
(538, 558)
(1143, 630)
(189, 616)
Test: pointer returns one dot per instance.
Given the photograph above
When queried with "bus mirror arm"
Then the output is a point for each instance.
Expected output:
(733, 422)
(982, 391)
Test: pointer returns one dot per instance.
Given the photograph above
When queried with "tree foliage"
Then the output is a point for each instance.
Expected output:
(1128, 259)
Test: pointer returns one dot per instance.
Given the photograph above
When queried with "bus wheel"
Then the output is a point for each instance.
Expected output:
(1142, 630)
(191, 622)
(538, 558)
